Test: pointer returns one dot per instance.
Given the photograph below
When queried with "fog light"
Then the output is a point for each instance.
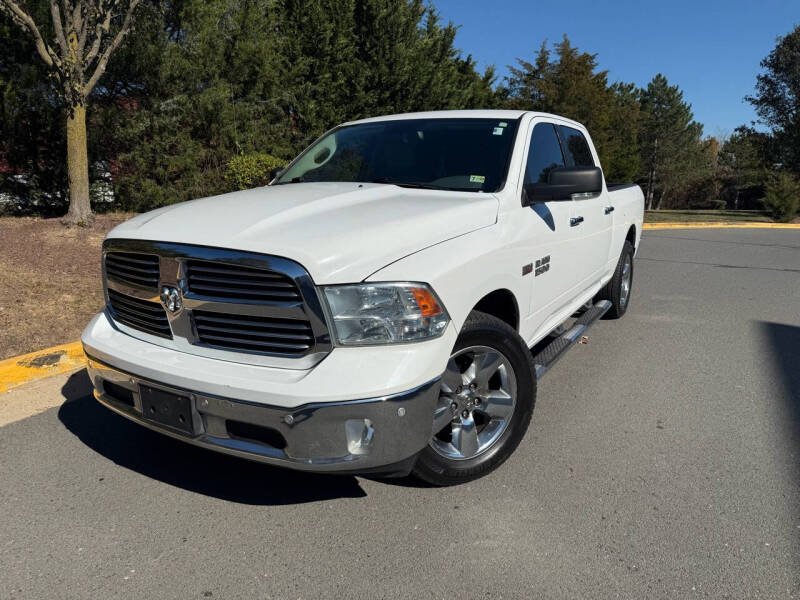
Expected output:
(360, 433)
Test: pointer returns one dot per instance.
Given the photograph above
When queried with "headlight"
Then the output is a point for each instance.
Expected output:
(385, 313)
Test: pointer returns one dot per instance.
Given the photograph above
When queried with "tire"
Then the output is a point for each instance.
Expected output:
(614, 290)
(494, 357)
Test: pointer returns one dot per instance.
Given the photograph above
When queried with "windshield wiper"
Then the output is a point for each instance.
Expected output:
(418, 185)
(292, 180)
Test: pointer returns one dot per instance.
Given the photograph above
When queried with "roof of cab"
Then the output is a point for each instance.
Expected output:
(461, 114)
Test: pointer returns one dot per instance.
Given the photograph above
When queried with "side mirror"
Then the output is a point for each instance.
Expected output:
(275, 173)
(562, 183)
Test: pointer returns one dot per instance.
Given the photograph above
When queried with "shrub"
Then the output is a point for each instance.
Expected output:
(251, 170)
(783, 196)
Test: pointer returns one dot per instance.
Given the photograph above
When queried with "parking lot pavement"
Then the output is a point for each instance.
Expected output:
(662, 462)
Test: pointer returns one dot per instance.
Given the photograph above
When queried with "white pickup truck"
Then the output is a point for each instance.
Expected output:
(384, 306)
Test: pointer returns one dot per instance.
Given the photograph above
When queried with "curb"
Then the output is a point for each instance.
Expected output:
(38, 365)
(704, 225)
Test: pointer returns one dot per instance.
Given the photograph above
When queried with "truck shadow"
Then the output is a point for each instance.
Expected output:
(783, 345)
(188, 467)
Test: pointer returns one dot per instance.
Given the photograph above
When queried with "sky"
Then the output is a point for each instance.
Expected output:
(712, 49)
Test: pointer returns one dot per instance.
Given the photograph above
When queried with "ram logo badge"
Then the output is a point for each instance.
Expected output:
(171, 299)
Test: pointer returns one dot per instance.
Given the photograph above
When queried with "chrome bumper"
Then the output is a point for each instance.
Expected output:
(355, 436)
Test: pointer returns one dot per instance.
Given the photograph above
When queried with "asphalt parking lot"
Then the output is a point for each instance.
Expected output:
(663, 461)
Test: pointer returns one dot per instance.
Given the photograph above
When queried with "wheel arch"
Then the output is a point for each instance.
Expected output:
(500, 303)
(631, 236)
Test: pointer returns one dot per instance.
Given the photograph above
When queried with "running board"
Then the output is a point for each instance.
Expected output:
(550, 354)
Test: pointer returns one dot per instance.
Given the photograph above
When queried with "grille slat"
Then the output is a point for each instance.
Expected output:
(238, 282)
(237, 343)
(253, 334)
(301, 337)
(152, 308)
(143, 315)
(131, 267)
(245, 321)
(201, 267)
(242, 292)
(127, 268)
(205, 280)
(134, 258)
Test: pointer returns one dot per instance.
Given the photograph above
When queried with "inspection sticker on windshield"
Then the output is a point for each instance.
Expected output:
(477, 178)
(498, 131)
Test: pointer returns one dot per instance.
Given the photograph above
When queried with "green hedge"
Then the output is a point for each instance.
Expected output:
(251, 170)
(783, 196)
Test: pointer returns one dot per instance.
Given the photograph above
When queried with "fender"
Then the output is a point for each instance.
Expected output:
(447, 267)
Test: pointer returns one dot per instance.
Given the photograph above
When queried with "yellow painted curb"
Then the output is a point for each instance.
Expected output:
(703, 225)
(37, 365)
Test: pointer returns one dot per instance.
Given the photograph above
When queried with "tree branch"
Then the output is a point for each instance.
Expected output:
(100, 28)
(127, 24)
(24, 20)
(62, 41)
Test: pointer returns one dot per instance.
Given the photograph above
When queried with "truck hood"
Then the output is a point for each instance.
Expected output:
(340, 232)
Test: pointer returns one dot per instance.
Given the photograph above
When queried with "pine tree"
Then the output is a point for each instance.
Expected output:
(570, 84)
(669, 139)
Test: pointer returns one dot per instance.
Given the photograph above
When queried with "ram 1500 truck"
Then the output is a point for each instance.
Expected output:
(384, 306)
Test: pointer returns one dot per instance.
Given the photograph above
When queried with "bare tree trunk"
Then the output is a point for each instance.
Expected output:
(661, 199)
(651, 177)
(80, 209)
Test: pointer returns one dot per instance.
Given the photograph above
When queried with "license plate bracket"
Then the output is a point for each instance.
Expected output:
(167, 409)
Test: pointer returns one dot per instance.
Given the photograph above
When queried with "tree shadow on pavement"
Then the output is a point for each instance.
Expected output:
(188, 467)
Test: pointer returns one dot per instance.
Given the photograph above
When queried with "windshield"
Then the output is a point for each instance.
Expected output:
(450, 154)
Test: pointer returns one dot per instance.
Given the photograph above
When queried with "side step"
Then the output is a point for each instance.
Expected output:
(548, 355)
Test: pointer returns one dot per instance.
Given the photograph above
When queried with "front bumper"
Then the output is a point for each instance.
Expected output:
(365, 435)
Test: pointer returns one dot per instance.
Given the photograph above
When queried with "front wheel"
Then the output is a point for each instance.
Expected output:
(485, 404)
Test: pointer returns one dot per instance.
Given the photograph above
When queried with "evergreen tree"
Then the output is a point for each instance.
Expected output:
(569, 84)
(669, 139)
(229, 77)
(744, 161)
(777, 98)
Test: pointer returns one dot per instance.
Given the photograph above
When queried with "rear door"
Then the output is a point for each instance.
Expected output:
(547, 227)
(591, 221)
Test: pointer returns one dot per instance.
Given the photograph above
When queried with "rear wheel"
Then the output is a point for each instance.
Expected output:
(618, 289)
(485, 403)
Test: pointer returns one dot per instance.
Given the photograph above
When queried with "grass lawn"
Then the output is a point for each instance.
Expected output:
(710, 216)
(49, 281)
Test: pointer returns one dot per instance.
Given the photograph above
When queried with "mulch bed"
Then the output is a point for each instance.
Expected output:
(50, 283)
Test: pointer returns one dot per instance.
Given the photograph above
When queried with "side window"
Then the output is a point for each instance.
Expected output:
(576, 148)
(544, 153)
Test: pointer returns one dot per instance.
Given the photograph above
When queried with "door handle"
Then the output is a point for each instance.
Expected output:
(608, 209)
(575, 221)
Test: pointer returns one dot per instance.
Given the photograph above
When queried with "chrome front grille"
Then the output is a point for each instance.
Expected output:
(143, 315)
(236, 306)
(133, 268)
(253, 334)
(220, 280)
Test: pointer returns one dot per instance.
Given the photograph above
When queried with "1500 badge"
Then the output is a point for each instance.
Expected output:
(542, 266)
